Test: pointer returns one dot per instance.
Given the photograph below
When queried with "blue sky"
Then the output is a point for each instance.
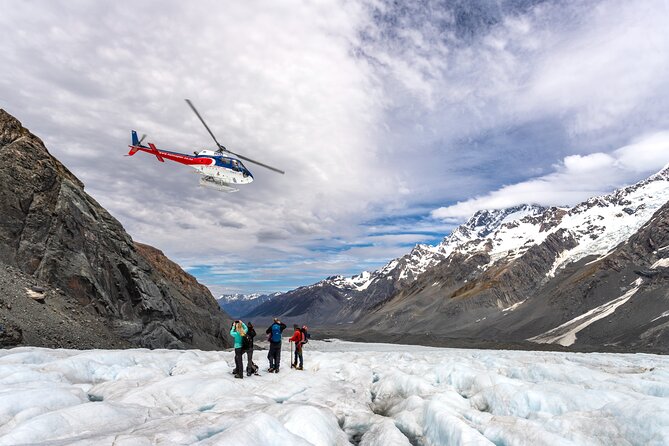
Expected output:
(394, 123)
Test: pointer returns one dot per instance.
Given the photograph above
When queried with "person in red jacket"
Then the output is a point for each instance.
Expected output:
(298, 339)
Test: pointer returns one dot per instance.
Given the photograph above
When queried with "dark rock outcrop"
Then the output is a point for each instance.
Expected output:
(56, 233)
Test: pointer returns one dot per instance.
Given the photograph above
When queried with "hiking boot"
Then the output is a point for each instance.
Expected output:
(270, 370)
(276, 370)
(239, 375)
(299, 368)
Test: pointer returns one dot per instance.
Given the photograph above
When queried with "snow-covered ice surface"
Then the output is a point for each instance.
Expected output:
(368, 394)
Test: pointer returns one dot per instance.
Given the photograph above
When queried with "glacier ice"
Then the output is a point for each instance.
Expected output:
(368, 394)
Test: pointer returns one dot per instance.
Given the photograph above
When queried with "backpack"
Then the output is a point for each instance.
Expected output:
(276, 333)
(246, 342)
(305, 335)
(253, 370)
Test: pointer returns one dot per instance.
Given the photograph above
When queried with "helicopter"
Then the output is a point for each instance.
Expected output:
(221, 169)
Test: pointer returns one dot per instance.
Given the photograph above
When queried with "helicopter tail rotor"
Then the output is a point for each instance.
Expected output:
(136, 142)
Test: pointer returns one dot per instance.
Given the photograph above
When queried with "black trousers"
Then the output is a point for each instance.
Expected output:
(249, 363)
(274, 355)
(239, 366)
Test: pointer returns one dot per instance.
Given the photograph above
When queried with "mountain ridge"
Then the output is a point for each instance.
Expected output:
(493, 262)
(239, 304)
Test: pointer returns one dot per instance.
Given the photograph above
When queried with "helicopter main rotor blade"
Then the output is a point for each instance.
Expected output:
(220, 146)
(258, 163)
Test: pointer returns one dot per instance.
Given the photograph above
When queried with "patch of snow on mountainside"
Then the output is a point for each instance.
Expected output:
(662, 263)
(484, 227)
(359, 282)
(514, 306)
(389, 267)
(565, 334)
(419, 260)
(485, 222)
(601, 225)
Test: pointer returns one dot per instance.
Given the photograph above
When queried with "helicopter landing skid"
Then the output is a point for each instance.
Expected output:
(213, 183)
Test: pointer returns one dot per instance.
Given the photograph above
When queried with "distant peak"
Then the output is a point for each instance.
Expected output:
(6, 118)
(11, 128)
(11, 131)
(662, 174)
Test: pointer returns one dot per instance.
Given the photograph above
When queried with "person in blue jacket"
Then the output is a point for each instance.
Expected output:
(274, 331)
(237, 331)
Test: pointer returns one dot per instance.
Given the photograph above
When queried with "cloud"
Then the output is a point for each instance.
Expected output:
(577, 178)
(378, 111)
(646, 154)
(589, 73)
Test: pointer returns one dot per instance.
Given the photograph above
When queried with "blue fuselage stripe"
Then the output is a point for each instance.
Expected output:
(221, 161)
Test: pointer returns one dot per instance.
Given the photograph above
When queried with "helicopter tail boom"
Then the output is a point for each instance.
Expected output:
(162, 155)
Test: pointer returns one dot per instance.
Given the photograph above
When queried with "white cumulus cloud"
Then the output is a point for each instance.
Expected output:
(576, 178)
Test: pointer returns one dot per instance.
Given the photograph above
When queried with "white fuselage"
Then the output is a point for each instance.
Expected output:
(223, 168)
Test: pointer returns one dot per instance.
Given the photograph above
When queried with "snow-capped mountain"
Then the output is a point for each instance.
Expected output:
(227, 298)
(498, 261)
(422, 257)
(238, 304)
(598, 224)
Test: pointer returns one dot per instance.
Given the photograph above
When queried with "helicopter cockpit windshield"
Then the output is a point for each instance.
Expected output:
(237, 165)
(233, 164)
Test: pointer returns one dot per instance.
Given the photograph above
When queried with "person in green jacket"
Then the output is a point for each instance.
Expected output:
(237, 331)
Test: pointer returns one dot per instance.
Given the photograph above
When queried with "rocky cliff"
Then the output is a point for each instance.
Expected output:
(54, 234)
